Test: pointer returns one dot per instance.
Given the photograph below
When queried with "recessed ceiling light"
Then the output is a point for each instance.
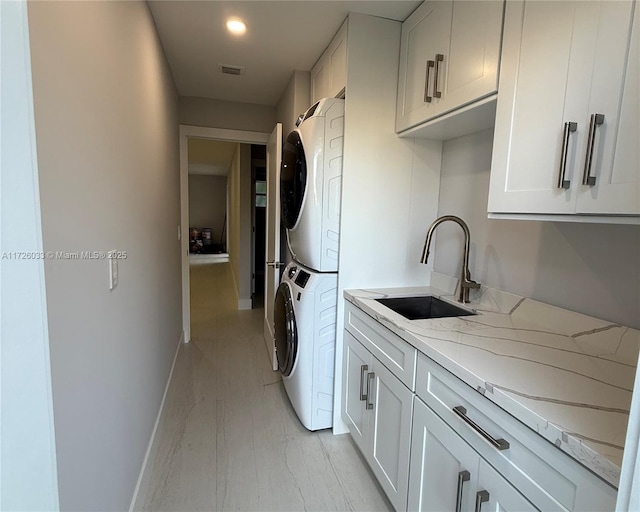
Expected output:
(236, 26)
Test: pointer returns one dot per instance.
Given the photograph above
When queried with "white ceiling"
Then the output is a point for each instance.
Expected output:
(282, 36)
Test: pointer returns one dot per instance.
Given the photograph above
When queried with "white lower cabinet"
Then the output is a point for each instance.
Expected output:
(447, 474)
(356, 364)
(378, 410)
(444, 468)
(495, 493)
(434, 443)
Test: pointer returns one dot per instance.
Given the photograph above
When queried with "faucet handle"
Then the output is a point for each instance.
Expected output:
(465, 286)
(467, 283)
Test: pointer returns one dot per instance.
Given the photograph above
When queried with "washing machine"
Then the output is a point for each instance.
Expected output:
(305, 335)
(311, 184)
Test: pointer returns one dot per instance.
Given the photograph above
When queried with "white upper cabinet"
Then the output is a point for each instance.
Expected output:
(616, 162)
(566, 135)
(329, 75)
(449, 58)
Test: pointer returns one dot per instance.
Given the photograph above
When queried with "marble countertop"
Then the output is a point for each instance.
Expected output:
(567, 376)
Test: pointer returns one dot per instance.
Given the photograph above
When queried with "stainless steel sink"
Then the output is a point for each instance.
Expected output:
(426, 306)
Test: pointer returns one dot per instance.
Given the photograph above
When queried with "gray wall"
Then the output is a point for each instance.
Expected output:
(589, 268)
(240, 223)
(208, 203)
(107, 133)
(295, 99)
(230, 115)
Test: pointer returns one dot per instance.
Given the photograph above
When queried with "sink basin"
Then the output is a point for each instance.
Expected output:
(426, 306)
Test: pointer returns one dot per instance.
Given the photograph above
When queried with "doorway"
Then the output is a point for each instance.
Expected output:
(209, 165)
(243, 265)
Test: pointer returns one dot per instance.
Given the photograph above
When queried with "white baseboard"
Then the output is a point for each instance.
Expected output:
(206, 259)
(140, 492)
(245, 304)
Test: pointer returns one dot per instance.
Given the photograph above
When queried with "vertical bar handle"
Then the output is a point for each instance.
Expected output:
(481, 497)
(436, 92)
(428, 98)
(370, 377)
(463, 477)
(596, 120)
(363, 395)
(569, 128)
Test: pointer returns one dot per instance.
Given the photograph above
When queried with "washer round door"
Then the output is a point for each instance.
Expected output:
(286, 332)
(293, 179)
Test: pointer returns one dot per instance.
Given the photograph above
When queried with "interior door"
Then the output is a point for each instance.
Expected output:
(272, 256)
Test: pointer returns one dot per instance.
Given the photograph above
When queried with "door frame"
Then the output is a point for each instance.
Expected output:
(187, 132)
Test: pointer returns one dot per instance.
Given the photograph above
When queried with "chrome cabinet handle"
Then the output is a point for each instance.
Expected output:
(463, 477)
(428, 98)
(436, 92)
(370, 377)
(500, 444)
(275, 264)
(363, 395)
(569, 128)
(481, 497)
(596, 120)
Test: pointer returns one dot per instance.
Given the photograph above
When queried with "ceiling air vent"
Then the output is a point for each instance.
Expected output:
(230, 70)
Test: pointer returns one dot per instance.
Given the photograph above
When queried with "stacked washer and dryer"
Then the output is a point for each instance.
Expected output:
(306, 300)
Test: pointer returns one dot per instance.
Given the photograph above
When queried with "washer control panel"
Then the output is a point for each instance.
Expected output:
(302, 279)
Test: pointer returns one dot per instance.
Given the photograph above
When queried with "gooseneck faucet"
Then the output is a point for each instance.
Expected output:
(465, 276)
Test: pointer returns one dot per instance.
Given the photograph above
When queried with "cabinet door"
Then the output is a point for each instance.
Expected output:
(356, 366)
(320, 80)
(328, 76)
(424, 34)
(470, 69)
(337, 55)
(390, 435)
(541, 39)
(496, 493)
(444, 468)
(615, 93)
(466, 36)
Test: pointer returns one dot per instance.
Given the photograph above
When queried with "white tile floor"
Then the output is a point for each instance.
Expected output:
(230, 439)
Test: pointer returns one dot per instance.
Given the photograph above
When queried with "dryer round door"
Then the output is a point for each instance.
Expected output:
(286, 332)
(293, 179)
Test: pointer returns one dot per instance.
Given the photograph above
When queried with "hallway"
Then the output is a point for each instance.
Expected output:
(230, 439)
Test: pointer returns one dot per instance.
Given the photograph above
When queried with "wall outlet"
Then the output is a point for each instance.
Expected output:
(113, 272)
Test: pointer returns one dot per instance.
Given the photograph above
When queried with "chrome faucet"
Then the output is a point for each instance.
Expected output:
(465, 276)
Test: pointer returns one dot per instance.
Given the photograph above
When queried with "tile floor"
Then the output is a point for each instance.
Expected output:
(230, 439)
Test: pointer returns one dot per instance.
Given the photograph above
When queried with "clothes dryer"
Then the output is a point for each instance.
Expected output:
(305, 335)
(311, 184)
